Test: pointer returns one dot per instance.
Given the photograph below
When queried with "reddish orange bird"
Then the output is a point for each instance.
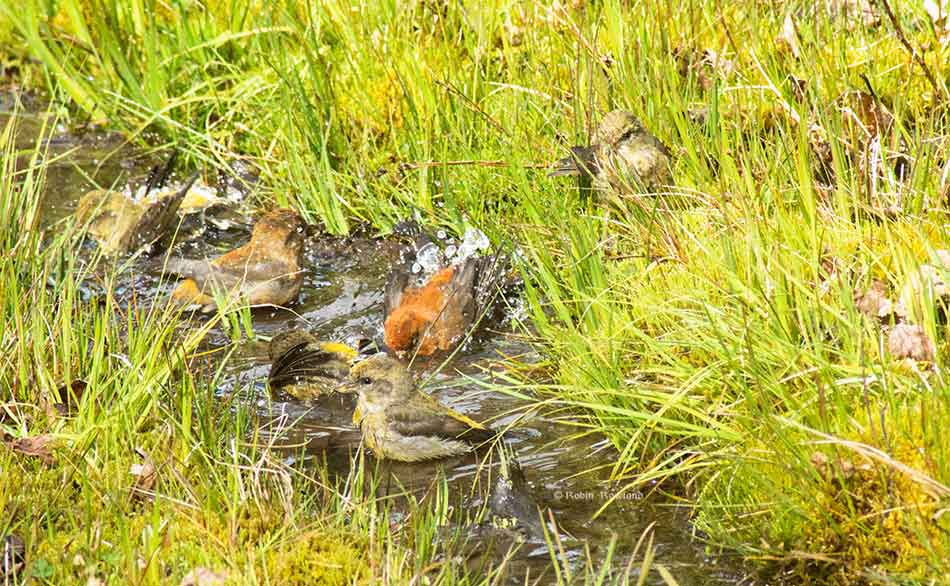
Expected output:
(265, 271)
(434, 315)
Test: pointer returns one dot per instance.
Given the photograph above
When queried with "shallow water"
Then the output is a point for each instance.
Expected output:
(342, 300)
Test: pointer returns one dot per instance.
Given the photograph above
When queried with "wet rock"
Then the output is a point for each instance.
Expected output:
(511, 505)
(69, 397)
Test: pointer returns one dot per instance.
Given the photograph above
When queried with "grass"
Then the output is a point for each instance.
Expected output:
(710, 333)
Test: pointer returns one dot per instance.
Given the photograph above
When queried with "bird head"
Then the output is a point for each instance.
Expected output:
(381, 379)
(615, 127)
(282, 228)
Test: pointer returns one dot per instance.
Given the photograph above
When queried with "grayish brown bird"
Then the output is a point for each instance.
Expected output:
(623, 156)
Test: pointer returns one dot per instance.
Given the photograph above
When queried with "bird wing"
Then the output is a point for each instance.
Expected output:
(432, 419)
(286, 340)
(205, 272)
(395, 286)
(462, 291)
(399, 278)
(159, 219)
(159, 174)
(306, 361)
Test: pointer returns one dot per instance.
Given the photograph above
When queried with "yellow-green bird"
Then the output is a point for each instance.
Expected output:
(622, 155)
(401, 423)
(306, 368)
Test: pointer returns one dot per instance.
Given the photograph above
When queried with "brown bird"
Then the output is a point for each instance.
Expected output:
(120, 224)
(622, 155)
(265, 271)
(434, 315)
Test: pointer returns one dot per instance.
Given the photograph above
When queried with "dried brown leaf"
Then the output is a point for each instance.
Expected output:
(854, 12)
(707, 65)
(866, 114)
(12, 556)
(939, 13)
(910, 341)
(926, 283)
(38, 446)
(145, 475)
(874, 302)
(204, 577)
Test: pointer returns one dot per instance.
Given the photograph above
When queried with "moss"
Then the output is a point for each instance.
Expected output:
(319, 557)
(373, 107)
(874, 517)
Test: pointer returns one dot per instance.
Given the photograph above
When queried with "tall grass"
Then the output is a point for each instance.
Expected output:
(710, 333)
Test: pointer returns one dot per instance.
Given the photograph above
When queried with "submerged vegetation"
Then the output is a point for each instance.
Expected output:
(715, 334)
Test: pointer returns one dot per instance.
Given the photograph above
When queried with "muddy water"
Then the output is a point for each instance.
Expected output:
(342, 300)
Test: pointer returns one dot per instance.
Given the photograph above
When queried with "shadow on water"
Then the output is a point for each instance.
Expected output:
(342, 300)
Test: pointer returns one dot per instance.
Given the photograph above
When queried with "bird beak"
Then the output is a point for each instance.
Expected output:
(565, 166)
(581, 162)
(347, 387)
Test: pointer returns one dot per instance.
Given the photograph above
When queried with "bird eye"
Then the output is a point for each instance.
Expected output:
(365, 380)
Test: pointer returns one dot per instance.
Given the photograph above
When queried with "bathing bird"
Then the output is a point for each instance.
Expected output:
(121, 225)
(400, 422)
(426, 316)
(307, 368)
(265, 271)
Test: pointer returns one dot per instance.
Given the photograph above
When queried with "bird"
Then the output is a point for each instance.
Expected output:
(399, 422)
(121, 225)
(423, 317)
(305, 367)
(265, 271)
(622, 154)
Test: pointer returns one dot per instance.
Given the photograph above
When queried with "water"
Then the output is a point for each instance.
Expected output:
(342, 300)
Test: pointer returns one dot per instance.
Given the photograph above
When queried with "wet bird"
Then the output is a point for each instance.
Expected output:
(305, 367)
(120, 224)
(399, 422)
(622, 155)
(428, 316)
(265, 271)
